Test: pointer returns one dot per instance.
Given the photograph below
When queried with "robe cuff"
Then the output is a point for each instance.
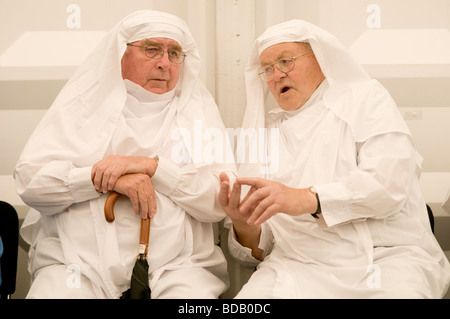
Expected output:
(80, 184)
(265, 240)
(335, 205)
(167, 177)
(244, 254)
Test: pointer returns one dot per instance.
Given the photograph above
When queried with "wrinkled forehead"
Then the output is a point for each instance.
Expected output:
(162, 42)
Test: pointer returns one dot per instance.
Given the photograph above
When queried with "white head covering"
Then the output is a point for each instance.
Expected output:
(82, 119)
(351, 93)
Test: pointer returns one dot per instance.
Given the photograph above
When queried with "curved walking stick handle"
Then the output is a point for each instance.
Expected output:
(145, 223)
(109, 206)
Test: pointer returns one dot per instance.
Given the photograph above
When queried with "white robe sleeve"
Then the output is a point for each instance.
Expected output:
(377, 188)
(244, 254)
(193, 189)
(55, 186)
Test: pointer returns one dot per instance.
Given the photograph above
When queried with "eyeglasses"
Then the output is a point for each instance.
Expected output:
(155, 52)
(285, 65)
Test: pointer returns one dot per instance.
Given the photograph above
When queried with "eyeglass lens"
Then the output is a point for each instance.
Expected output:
(175, 56)
(284, 65)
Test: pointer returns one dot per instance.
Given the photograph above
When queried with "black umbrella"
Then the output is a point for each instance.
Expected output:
(139, 288)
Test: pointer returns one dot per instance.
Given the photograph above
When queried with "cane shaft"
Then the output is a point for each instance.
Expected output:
(145, 232)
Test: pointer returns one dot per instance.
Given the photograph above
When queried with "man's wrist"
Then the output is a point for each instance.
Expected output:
(154, 165)
(318, 210)
(249, 236)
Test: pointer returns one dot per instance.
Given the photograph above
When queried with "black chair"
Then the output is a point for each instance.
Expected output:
(431, 217)
(9, 233)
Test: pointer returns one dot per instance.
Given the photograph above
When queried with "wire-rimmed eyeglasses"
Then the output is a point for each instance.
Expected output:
(156, 52)
(285, 65)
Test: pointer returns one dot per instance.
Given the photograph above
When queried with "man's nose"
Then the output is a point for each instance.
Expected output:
(164, 62)
(278, 75)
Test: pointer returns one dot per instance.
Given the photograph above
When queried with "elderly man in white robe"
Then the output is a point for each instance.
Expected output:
(125, 122)
(343, 216)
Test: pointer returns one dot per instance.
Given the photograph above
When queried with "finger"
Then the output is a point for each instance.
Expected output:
(112, 172)
(151, 199)
(235, 196)
(134, 198)
(98, 180)
(268, 213)
(254, 198)
(224, 177)
(144, 203)
(153, 206)
(94, 168)
(105, 179)
(252, 181)
(113, 179)
(249, 193)
(93, 174)
(260, 209)
(223, 193)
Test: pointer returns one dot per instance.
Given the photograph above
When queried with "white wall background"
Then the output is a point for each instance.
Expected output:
(405, 44)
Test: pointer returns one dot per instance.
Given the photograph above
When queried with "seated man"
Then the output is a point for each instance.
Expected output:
(343, 216)
(134, 100)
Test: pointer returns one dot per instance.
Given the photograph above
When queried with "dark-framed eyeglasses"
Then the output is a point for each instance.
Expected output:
(156, 52)
(285, 65)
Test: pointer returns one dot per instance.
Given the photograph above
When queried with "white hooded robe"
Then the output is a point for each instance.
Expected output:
(349, 141)
(97, 114)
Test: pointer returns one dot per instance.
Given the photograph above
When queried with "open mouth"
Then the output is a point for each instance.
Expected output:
(284, 89)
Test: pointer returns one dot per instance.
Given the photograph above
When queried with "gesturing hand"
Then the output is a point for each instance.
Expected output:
(230, 200)
(267, 198)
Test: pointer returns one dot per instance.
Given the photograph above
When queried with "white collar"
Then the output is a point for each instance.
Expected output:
(142, 95)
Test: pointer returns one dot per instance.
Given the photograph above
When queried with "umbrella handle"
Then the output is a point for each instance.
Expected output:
(145, 223)
(109, 206)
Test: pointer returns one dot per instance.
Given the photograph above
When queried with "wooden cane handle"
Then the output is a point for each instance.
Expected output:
(145, 223)
(109, 206)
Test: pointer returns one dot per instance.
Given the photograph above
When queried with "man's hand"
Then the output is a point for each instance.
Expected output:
(267, 198)
(107, 171)
(230, 199)
(139, 189)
